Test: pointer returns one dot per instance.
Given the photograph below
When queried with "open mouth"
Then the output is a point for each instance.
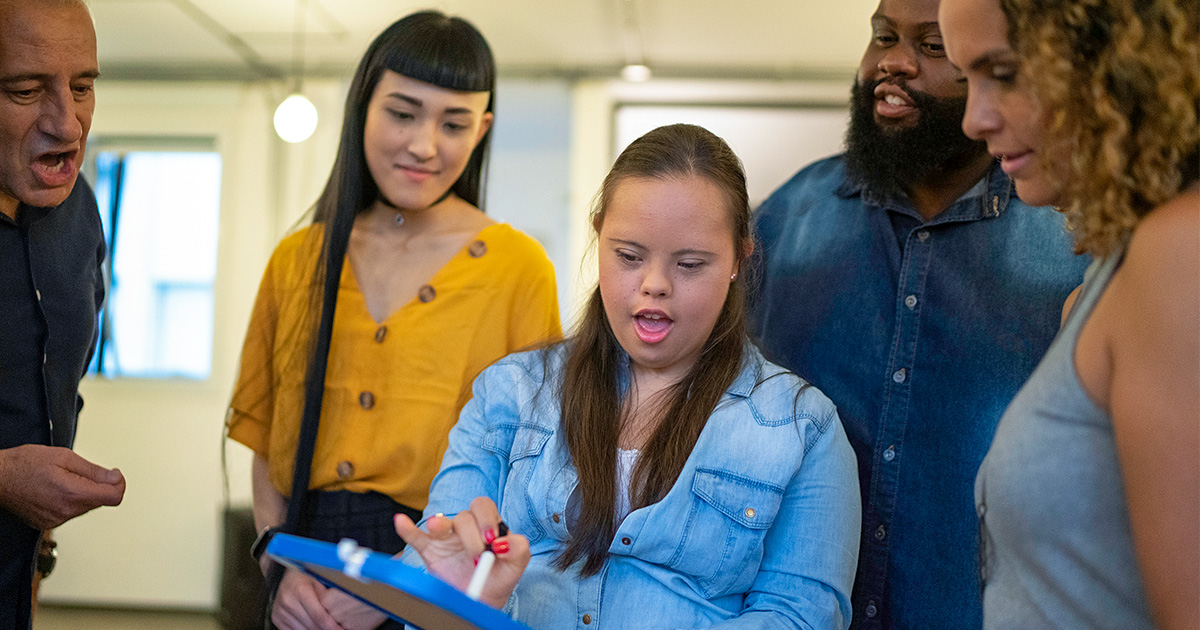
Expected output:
(652, 327)
(55, 168)
(893, 106)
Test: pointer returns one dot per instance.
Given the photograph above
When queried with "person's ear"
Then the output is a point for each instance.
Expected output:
(484, 124)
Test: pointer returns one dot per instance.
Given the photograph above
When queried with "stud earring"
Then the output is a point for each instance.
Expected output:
(733, 277)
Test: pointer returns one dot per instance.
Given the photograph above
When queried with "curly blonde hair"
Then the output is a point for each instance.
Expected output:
(1121, 83)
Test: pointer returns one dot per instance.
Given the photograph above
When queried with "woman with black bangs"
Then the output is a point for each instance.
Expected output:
(434, 291)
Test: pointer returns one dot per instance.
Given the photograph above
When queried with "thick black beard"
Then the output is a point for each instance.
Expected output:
(890, 160)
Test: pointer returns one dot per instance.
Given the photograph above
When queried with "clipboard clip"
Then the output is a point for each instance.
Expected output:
(353, 557)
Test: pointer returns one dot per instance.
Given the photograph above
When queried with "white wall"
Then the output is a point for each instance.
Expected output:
(553, 143)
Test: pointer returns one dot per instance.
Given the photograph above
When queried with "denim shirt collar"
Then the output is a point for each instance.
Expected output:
(987, 199)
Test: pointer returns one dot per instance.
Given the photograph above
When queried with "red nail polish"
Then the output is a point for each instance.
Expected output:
(489, 535)
(500, 547)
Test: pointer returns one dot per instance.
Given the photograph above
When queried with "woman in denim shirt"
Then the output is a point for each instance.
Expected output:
(654, 469)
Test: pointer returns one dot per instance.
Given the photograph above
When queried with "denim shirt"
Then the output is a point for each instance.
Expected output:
(921, 332)
(759, 531)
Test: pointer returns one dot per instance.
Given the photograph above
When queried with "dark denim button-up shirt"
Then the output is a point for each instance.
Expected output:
(921, 332)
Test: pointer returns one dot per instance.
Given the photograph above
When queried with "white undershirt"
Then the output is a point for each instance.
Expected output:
(625, 461)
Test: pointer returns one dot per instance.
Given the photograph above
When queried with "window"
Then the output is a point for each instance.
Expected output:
(159, 204)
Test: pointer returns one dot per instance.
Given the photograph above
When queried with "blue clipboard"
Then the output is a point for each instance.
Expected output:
(405, 593)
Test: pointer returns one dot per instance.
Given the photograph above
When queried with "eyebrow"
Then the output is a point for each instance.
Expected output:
(37, 76)
(890, 22)
(416, 102)
(989, 58)
(678, 252)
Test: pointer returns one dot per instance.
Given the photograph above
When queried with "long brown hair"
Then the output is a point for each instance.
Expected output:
(592, 400)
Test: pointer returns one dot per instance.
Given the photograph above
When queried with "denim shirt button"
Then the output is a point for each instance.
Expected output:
(587, 619)
(899, 375)
(910, 302)
(554, 517)
(889, 454)
(880, 533)
(871, 610)
(626, 541)
(923, 235)
(750, 512)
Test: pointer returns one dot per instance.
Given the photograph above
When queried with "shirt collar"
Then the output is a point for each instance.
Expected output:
(26, 215)
(748, 376)
(987, 199)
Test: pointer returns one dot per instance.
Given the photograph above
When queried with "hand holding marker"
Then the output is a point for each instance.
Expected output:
(483, 566)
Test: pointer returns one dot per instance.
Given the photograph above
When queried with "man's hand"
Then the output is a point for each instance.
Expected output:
(49, 485)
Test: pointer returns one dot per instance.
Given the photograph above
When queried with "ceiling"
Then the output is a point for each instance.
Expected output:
(254, 39)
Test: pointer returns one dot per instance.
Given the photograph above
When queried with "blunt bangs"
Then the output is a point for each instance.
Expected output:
(444, 51)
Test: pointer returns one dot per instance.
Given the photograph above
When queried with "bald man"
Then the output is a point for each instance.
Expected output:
(51, 285)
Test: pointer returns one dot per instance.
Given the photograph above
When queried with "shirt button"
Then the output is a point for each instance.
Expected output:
(477, 249)
(626, 541)
(554, 517)
(981, 509)
(871, 610)
(38, 294)
(587, 619)
(923, 235)
(749, 512)
(899, 375)
(910, 302)
(880, 533)
(380, 333)
(889, 454)
(344, 470)
(426, 294)
(366, 400)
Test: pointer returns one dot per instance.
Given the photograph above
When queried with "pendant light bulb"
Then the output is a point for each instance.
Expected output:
(636, 73)
(295, 118)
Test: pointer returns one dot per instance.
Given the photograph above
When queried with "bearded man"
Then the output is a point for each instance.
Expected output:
(906, 280)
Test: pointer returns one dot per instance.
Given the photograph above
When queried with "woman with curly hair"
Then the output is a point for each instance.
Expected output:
(1089, 496)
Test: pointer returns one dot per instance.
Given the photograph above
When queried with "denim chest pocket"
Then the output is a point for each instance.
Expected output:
(721, 542)
(524, 446)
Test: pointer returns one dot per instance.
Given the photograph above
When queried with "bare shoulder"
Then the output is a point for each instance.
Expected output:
(1163, 261)
(1168, 239)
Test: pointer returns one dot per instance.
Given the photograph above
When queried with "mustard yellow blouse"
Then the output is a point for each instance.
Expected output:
(392, 389)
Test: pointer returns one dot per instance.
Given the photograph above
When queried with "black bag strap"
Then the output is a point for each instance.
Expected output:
(337, 243)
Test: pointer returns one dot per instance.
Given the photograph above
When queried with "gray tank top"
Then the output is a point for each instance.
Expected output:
(1055, 544)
